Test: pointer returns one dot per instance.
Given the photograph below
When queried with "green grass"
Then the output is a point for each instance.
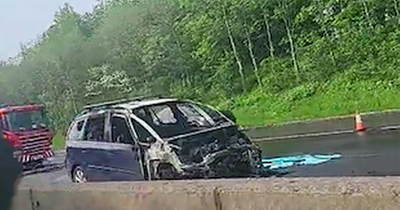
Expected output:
(315, 101)
(58, 142)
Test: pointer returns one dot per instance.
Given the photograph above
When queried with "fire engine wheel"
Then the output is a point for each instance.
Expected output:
(78, 175)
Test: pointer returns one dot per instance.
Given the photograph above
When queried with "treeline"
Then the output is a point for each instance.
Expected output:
(208, 50)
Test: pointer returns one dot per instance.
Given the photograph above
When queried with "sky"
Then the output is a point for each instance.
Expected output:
(21, 21)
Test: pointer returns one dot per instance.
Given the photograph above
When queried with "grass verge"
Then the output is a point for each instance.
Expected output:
(315, 101)
(58, 142)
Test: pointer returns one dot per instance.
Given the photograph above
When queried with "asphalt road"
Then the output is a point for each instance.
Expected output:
(371, 154)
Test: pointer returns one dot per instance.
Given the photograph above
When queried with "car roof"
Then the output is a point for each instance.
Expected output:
(127, 104)
(138, 104)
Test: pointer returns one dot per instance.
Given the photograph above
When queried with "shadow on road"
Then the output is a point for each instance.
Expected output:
(43, 169)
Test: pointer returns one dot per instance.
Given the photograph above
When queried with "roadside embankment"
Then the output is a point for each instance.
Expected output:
(249, 194)
(328, 126)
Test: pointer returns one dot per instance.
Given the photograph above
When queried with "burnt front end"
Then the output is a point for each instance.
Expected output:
(35, 146)
(220, 153)
(227, 163)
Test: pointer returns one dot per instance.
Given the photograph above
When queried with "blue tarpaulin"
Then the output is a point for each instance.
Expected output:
(305, 159)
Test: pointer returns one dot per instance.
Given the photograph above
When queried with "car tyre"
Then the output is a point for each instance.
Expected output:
(161, 171)
(79, 175)
(166, 172)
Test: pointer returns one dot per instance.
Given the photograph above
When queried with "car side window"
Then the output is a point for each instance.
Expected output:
(94, 129)
(75, 132)
(120, 131)
(142, 132)
(213, 114)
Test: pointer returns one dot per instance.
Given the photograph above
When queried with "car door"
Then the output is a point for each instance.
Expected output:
(73, 145)
(95, 148)
(124, 156)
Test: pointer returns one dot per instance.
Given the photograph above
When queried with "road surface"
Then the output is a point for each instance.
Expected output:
(374, 154)
(371, 154)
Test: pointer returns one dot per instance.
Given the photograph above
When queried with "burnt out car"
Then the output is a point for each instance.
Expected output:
(157, 138)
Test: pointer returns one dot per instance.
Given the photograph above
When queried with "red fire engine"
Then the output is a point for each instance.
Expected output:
(26, 129)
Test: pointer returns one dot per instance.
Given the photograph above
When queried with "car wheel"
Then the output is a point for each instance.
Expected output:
(161, 171)
(166, 172)
(79, 175)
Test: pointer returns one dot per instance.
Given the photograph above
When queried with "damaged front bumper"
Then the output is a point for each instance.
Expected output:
(243, 160)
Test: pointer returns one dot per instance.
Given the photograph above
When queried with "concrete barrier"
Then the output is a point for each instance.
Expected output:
(246, 194)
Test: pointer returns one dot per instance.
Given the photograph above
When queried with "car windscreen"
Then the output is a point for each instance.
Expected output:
(215, 115)
(27, 120)
(171, 119)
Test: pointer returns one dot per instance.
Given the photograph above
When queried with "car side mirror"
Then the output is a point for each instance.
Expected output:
(151, 139)
(229, 114)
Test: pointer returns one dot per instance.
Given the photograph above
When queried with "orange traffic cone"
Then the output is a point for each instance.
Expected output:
(359, 124)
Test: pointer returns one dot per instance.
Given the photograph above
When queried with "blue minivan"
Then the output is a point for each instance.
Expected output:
(157, 138)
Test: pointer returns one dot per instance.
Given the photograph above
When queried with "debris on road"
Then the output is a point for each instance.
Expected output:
(298, 160)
